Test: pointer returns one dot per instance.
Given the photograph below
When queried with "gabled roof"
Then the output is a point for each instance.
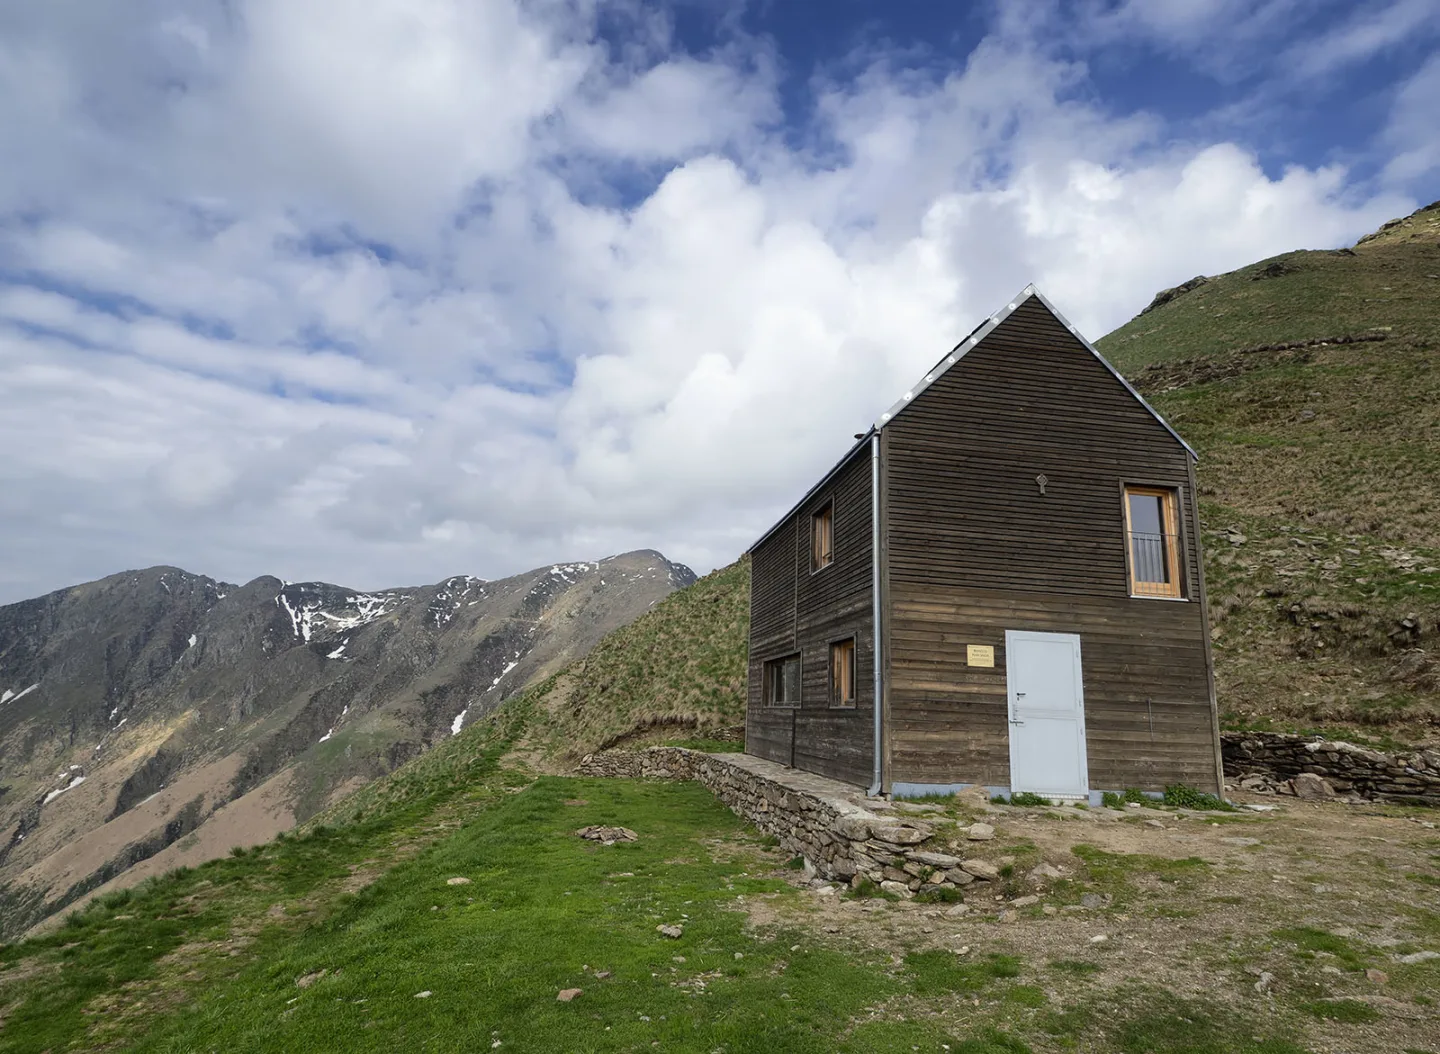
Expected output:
(984, 329)
(938, 370)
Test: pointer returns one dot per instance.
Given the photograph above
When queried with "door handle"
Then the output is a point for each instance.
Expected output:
(1013, 721)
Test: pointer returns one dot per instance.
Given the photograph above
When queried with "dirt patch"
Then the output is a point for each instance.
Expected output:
(1268, 913)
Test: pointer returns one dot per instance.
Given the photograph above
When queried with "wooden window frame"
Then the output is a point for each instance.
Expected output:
(1173, 524)
(772, 671)
(824, 513)
(833, 693)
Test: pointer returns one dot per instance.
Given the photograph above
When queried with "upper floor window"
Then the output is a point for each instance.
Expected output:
(822, 537)
(1153, 541)
(782, 681)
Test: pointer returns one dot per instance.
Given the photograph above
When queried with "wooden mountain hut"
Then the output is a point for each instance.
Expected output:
(1009, 562)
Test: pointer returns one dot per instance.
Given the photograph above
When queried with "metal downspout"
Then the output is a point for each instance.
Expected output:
(878, 661)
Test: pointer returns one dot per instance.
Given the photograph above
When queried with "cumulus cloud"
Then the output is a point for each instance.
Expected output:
(379, 293)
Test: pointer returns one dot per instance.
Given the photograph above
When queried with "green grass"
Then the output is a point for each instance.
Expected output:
(1310, 941)
(543, 911)
(149, 970)
(122, 939)
(1168, 1024)
(1022, 798)
(1130, 795)
(934, 972)
(1180, 796)
(1115, 873)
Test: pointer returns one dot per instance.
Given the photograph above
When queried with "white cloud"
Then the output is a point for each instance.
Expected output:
(1371, 31)
(382, 293)
(1413, 133)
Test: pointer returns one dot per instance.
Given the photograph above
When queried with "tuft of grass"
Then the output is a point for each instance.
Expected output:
(934, 971)
(1181, 796)
(940, 895)
(1022, 798)
(1026, 995)
(864, 889)
(1131, 795)
(1310, 941)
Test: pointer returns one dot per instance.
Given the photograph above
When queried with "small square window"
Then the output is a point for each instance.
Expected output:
(782, 681)
(1152, 541)
(822, 537)
(842, 673)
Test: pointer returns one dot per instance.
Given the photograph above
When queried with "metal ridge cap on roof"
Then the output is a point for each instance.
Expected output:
(845, 460)
(984, 329)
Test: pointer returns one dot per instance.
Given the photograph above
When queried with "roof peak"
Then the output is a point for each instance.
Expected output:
(959, 351)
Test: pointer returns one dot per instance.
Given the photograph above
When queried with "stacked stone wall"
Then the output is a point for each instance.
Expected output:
(1289, 763)
(812, 817)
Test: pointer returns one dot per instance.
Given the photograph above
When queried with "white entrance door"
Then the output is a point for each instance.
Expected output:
(1047, 714)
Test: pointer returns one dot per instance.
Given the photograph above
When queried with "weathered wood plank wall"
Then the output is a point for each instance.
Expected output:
(793, 609)
(974, 548)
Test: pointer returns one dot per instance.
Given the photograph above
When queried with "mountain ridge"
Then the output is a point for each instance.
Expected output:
(141, 705)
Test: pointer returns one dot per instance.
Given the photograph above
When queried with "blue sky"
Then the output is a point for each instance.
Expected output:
(380, 291)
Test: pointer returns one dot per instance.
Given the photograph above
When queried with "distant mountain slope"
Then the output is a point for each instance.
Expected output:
(161, 716)
(1310, 384)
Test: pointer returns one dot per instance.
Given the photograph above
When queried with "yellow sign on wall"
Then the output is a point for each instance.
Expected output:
(979, 655)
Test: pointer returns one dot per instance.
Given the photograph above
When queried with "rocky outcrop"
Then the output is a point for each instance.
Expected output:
(842, 835)
(1275, 762)
(1167, 295)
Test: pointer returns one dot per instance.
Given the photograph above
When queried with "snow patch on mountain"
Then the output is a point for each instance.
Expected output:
(496, 682)
(12, 696)
(69, 786)
(564, 571)
(310, 616)
(453, 594)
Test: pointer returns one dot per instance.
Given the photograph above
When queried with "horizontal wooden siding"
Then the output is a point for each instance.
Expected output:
(975, 548)
(796, 610)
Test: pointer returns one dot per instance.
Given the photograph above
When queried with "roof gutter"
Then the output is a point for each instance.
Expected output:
(878, 660)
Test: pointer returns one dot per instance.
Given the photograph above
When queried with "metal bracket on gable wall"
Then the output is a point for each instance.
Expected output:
(1040, 480)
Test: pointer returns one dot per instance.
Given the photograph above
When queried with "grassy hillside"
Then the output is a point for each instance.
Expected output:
(675, 674)
(1310, 385)
(453, 908)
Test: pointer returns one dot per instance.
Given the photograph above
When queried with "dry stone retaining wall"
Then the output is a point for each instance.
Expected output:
(1319, 768)
(816, 818)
